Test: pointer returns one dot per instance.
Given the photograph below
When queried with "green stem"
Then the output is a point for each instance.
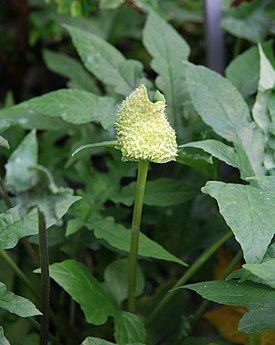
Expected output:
(20, 274)
(189, 273)
(202, 308)
(141, 182)
(45, 279)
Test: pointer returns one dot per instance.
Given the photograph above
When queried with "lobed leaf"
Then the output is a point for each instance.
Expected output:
(248, 211)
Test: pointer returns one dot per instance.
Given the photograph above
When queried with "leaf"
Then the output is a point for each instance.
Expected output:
(106, 62)
(129, 329)
(3, 339)
(110, 4)
(243, 71)
(266, 83)
(116, 278)
(264, 271)
(72, 69)
(16, 304)
(119, 237)
(13, 227)
(168, 50)
(17, 169)
(217, 149)
(160, 192)
(248, 212)
(111, 143)
(253, 25)
(95, 300)
(221, 106)
(258, 299)
(98, 341)
(73, 106)
(52, 201)
(196, 159)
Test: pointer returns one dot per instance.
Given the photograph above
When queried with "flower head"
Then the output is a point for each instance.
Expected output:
(143, 131)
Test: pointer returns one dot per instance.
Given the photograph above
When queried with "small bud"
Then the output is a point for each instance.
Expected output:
(143, 131)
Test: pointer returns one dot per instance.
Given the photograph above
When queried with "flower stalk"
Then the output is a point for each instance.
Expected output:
(45, 279)
(140, 189)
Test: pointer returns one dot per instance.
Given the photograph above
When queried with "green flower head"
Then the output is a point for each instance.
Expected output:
(143, 131)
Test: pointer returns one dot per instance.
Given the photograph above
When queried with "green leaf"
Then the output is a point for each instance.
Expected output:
(106, 62)
(196, 159)
(98, 341)
(73, 106)
(52, 201)
(258, 299)
(266, 83)
(16, 304)
(248, 211)
(72, 69)
(253, 24)
(221, 106)
(25, 156)
(95, 300)
(243, 71)
(168, 50)
(217, 149)
(264, 271)
(129, 329)
(116, 278)
(13, 227)
(111, 143)
(160, 192)
(119, 237)
(3, 339)
(110, 4)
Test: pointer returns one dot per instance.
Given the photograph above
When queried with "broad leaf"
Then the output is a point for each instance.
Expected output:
(106, 62)
(248, 211)
(265, 271)
(129, 329)
(257, 298)
(119, 237)
(53, 201)
(3, 339)
(16, 304)
(13, 227)
(217, 149)
(221, 106)
(72, 69)
(160, 192)
(73, 106)
(25, 156)
(116, 278)
(95, 300)
(243, 71)
(168, 50)
(110, 4)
